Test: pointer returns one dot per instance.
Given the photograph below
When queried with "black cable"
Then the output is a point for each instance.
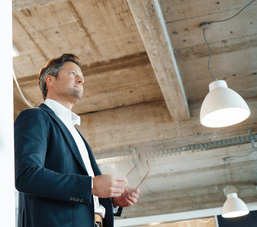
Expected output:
(207, 23)
(225, 160)
(232, 16)
(209, 55)
(239, 156)
(235, 156)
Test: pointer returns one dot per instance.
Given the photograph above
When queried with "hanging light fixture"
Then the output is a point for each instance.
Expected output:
(222, 106)
(234, 206)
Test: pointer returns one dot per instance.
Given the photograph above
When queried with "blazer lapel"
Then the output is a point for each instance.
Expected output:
(72, 144)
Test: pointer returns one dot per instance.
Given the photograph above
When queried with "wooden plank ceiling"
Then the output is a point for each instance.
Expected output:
(145, 69)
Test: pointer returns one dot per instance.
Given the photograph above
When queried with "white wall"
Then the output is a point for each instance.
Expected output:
(7, 204)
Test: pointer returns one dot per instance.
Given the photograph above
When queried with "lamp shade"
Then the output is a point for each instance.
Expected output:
(222, 106)
(234, 207)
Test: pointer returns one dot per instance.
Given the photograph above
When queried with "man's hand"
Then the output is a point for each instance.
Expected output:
(107, 186)
(127, 198)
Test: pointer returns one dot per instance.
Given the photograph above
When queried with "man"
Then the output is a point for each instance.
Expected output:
(59, 182)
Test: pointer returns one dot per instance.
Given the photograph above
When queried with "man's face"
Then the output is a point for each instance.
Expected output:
(69, 82)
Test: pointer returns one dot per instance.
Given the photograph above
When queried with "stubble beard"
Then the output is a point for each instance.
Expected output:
(76, 94)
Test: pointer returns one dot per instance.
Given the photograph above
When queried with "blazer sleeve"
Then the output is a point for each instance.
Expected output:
(32, 140)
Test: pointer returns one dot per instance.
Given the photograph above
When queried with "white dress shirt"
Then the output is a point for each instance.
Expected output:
(70, 119)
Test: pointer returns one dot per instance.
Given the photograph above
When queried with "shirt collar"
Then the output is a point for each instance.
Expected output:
(61, 110)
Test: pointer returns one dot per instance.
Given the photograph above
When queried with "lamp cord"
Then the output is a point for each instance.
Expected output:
(207, 23)
(19, 89)
(225, 160)
(235, 156)
(232, 16)
(209, 55)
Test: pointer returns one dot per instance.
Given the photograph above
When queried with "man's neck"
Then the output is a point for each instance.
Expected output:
(68, 104)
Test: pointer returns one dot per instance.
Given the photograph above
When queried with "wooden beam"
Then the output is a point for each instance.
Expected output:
(26, 4)
(162, 58)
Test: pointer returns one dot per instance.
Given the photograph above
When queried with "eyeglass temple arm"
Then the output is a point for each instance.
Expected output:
(134, 166)
(148, 169)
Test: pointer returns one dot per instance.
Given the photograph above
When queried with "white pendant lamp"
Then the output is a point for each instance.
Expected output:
(234, 207)
(222, 106)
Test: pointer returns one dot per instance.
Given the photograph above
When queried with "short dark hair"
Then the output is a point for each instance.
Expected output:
(53, 68)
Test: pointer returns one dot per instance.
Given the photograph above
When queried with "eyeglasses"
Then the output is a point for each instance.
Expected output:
(148, 169)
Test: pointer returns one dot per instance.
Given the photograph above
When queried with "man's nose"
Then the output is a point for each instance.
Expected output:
(80, 79)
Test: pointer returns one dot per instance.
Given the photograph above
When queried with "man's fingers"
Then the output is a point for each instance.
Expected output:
(120, 184)
(114, 194)
(135, 194)
(118, 181)
(119, 190)
(109, 185)
(132, 199)
(120, 178)
(133, 190)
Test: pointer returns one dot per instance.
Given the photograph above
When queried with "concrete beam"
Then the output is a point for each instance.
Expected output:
(149, 127)
(186, 200)
(158, 46)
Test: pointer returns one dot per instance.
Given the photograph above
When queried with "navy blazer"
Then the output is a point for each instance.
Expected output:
(53, 183)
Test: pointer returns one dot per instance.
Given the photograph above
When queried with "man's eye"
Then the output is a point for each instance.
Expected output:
(72, 73)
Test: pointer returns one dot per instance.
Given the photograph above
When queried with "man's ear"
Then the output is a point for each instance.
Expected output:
(50, 80)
